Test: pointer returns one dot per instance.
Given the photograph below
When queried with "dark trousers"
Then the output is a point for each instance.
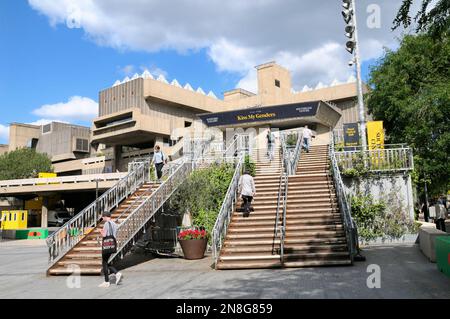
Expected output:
(440, 224)
(159, 167)
(107, 269)
(247, 203)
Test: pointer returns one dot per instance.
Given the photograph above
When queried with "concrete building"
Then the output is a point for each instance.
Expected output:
(137, 114)
(67, 145)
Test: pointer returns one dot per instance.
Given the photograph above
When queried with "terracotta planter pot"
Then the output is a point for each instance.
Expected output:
(194, 248)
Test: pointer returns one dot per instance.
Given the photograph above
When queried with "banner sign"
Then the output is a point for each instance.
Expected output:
(260, 114)
(351, 134)
(375, 135)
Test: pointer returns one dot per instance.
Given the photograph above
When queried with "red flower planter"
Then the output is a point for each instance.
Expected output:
(193, 248)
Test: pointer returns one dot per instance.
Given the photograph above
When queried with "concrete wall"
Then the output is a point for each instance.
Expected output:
(395, 189)
(59, 143)
(20, 135)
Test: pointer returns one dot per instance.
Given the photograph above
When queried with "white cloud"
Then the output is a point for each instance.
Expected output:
(77, 108)
(236, 34)
(4, 134)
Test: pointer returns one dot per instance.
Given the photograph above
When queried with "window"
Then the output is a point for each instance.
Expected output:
(82, 145)
(46, 128)
(277, 83)
(187, 124)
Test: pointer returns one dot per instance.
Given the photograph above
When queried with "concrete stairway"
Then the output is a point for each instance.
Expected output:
(250, 241)
(87, 253)
(314, 231)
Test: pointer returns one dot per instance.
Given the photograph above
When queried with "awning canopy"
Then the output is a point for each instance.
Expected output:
(289, 114)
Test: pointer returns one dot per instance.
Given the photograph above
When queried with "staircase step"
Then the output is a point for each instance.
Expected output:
(250, 258)
(84, 255)
(85, 262)
(315, 234)
(262, 264)
(316, 256)
(316, 263)
(91, 270)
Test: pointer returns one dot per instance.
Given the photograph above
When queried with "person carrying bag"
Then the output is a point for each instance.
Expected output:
(109, 247)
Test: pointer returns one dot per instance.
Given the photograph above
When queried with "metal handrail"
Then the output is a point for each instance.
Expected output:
(132, 225)
(283, 181)
(293, 157)
(379, 160)
(283, 227)
(168, 172)
(297, 152)
(226, 210)
(136, 221)
(71, 233)
(344, 204)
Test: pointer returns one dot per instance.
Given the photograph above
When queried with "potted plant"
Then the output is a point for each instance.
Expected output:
(193, 242)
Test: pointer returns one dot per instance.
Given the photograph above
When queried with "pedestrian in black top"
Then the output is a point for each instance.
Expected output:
(109, 233)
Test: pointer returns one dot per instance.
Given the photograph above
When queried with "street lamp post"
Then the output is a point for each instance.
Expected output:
(351, 31)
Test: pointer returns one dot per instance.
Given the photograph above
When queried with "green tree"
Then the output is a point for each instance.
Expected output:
(435, 20)
(24, 163)
(411, 94)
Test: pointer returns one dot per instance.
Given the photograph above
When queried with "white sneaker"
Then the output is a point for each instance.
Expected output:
(118, 278)
(104, 285)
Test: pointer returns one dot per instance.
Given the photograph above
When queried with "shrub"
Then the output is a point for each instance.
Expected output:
(249, 165)
(377, 219)
(202, 194)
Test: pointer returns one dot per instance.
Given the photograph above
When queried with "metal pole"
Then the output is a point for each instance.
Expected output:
(362, 119)
(96, 196)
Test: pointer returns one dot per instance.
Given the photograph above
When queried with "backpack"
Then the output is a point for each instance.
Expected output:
(109, 244)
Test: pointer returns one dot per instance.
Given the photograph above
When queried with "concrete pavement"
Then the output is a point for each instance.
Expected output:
(405, 273)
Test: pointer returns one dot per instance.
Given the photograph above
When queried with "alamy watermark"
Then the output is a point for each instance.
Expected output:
(374, 279)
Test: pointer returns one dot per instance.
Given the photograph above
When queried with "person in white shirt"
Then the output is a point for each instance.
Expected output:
(247, 190)
(159, 159)
(307, 135)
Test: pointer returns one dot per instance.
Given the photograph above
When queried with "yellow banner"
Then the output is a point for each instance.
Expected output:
(375, 135)
(47, 175)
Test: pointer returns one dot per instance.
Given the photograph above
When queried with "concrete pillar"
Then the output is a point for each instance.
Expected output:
(44, 216)
(117, 156)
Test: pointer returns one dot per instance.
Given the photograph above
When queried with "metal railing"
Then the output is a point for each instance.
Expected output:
(70, 234)
(293, 154)
(63, 180)
(130, 228)
(226, 210)
(280, 231)
(344, 205)
(168, 171)
(389, 159)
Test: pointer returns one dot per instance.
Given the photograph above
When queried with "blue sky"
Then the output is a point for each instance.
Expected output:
(46, 63)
